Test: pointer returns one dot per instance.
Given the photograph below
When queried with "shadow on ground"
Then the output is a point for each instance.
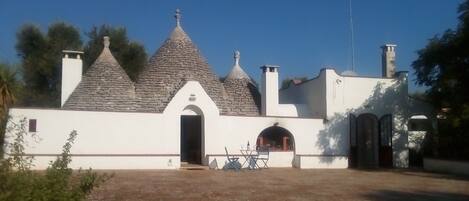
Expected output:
(388, 195)
(434, 175)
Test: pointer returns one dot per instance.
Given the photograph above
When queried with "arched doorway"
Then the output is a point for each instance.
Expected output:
(367, 141)
(370, 141)
(276, 138)
(191, 135)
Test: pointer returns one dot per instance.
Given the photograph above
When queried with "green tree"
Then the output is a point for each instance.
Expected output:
(286, 82)
(41, 55)
(443, 66)
(130, 54)
(41, 61)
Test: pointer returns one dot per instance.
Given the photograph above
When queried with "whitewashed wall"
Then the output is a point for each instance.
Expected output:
(311, 93)
(105, 137)
(109, 140)
(118, 140)
(341, 95)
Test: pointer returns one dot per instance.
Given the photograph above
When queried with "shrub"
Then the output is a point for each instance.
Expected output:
(58, 182)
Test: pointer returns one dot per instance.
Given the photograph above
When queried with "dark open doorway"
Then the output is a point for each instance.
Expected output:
(191, 139)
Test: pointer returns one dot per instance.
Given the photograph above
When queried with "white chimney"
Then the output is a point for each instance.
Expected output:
(269, 90)
(388, 60)
(72, 68)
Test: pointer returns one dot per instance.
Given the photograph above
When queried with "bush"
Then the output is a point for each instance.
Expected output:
(58, 182)
(452, 141)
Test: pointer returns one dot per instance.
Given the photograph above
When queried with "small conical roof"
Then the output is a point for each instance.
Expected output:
(237, 72)
(104, 87)
(177, 61)
(243, 95)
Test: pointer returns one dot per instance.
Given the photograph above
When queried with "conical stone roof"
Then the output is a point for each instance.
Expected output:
(104, 87)
(177, 61)
(243, 95)
(237, 72)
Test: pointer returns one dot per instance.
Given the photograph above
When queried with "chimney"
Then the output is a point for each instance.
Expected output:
(388, 60)
(72, 67)
(269, 90)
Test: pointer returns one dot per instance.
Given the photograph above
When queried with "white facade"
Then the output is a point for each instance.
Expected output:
(120, 140)
(317, 115)
(333, 97)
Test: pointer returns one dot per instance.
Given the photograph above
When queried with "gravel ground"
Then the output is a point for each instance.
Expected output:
(282, 184)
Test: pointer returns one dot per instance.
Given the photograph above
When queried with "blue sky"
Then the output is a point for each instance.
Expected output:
(301, 36)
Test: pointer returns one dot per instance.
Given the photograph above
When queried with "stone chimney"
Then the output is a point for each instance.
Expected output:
(388, 60)
(72, 68)
(269, 90)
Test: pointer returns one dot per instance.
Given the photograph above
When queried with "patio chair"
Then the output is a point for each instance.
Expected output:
(263, 155)
(232, 161)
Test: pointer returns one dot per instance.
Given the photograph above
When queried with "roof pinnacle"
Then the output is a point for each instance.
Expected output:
(237, 55)
(178, 17)
(106, 41)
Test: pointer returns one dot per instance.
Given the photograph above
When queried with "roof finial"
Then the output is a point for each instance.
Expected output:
(178, 17)
(236, 57)
(106, 41)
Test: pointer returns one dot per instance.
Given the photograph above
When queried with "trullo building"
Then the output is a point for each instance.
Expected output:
(178, 111)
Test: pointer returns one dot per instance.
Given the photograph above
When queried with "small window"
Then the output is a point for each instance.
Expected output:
(32, 125)
(419, 125)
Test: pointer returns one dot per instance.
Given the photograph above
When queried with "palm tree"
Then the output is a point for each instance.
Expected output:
(8, 86)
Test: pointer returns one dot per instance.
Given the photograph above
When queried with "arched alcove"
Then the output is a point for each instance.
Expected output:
(276, 138)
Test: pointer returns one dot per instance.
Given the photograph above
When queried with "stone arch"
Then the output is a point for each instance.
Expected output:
(192, 110)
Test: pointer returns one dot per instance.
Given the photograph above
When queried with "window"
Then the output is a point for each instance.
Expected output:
(419, 125)
(32, 125)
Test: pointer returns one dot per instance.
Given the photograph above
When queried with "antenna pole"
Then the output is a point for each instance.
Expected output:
(352, 44)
